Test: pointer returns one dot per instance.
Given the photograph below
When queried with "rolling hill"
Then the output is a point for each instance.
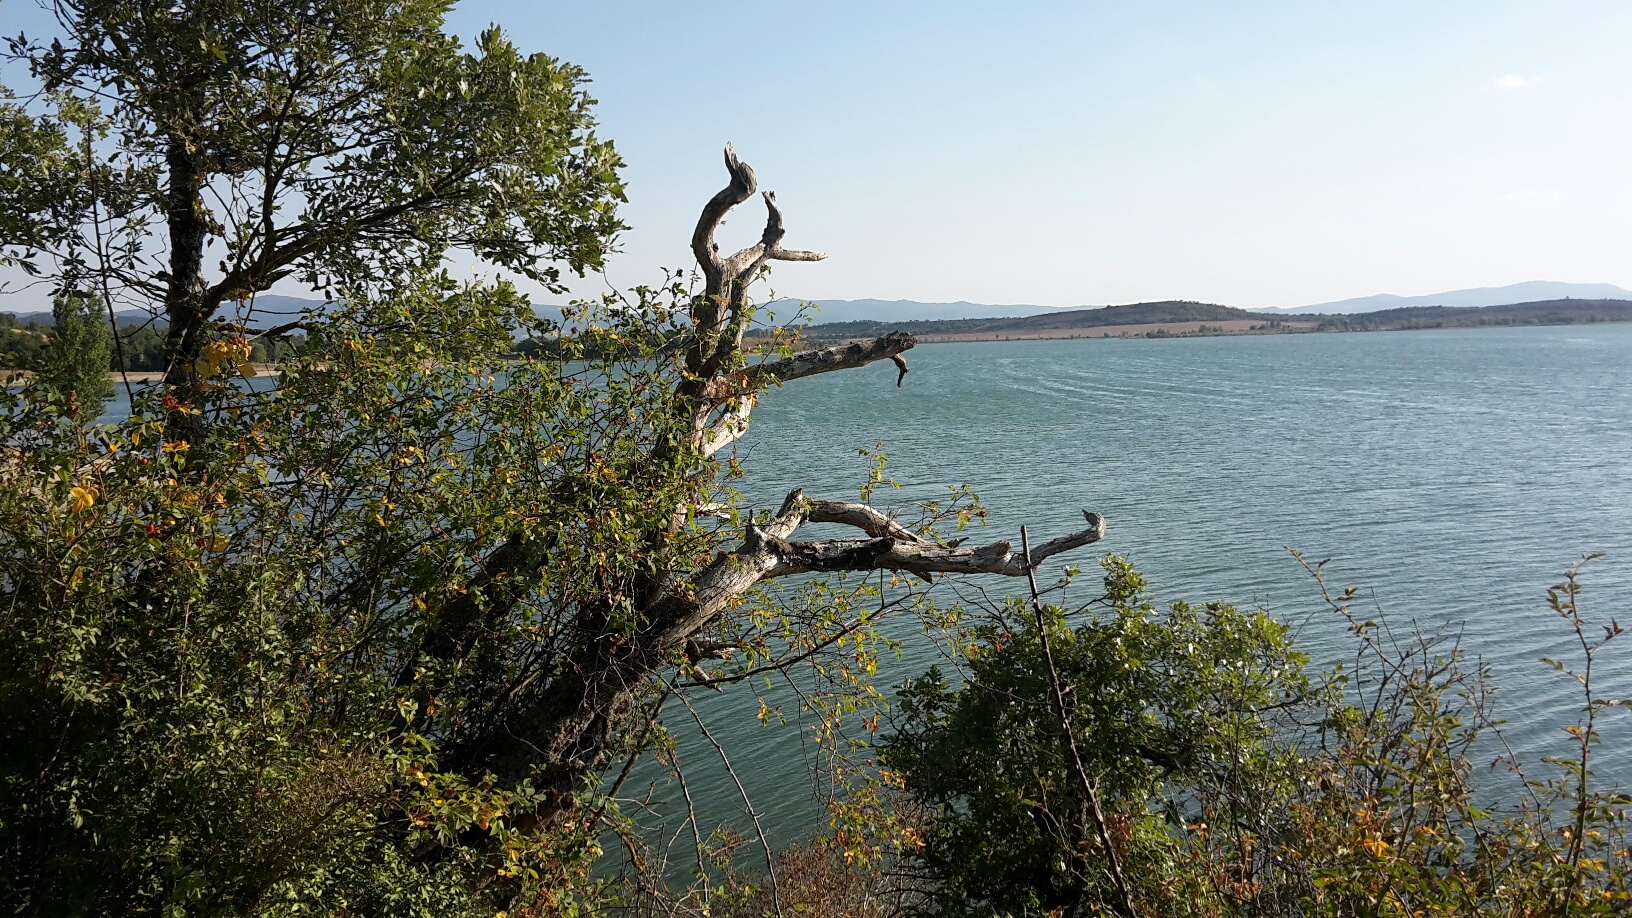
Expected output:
(1527, 292)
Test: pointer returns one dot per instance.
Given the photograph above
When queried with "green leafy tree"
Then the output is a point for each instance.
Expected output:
(21, 347)
(335, 142)
(40, 183)
(75, 367)
(1174, 713)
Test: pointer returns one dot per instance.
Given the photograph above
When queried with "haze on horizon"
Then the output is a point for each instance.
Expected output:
(1063, 154)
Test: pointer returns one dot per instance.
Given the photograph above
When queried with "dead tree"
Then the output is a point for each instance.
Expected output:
(560, 730)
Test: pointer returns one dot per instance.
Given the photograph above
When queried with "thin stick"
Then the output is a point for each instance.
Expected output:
(107, 292)
(691, 817)
(770, 860)
(1064, 715)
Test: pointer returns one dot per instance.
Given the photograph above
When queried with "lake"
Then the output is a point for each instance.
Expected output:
(1451, 474)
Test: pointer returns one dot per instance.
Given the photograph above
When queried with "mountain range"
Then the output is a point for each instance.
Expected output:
(831, 311)
(1527, 292)
(272, 309)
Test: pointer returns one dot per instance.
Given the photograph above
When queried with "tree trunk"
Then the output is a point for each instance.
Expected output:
(184, 300)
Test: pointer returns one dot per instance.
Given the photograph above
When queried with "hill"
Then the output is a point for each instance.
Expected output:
(1177, 317)
(1545, 312)
(829, 312)
(1164, 312)
(1527, 292)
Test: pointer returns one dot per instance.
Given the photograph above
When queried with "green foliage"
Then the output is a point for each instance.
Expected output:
(1174, 711)
(22, 347)
(210, 692)
(201, 685)
(142, 347)
(1234, 785)
(40, 183)
(1394, 825)
(75, 366)
(338, 142)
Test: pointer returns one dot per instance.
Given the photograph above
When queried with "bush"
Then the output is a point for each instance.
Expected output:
(1228, 782)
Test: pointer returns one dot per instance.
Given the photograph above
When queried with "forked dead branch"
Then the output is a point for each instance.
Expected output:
(563, 730)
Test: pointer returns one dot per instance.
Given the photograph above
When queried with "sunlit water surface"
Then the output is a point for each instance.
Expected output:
(1451, 475)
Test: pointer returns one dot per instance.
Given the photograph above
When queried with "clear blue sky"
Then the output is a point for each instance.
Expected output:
(1254, 154)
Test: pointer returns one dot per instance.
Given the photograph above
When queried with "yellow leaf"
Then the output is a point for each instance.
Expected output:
(83, 496)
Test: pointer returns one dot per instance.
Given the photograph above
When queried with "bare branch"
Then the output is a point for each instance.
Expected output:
(774, 231)
(925, 557)
(920, 558)
(1062, 714)
(744, 264)
(824, 360)
(729, 428)
(870, 520)
(740, 189)
(283, 329)
(765, 554)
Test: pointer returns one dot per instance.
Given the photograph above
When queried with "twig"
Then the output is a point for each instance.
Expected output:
(691, 817)
(1064, 715)
(770, 860)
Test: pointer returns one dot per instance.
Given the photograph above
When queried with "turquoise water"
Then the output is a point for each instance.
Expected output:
(1450, 474)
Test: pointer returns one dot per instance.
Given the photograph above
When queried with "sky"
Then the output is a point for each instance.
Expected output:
(1255, 154)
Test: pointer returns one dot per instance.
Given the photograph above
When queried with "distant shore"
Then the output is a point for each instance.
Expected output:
(142, 377)
(811, 337)
(1217, 329)
(1145, 330)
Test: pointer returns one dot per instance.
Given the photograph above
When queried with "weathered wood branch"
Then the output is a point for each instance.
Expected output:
(740, 189)
(868, 519)
(729, 427)
(746, 263)
(766, 554)
(720, 432)
(720, 313)
(922, 557)
(811, 363)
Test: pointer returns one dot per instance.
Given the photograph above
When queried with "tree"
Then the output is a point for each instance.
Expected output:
(367, 639)
(1176, 715)
(336, 142)
(77, 359)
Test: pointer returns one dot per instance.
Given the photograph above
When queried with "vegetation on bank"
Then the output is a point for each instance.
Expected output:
(389, 638)
(140, 347)
(1105, 320)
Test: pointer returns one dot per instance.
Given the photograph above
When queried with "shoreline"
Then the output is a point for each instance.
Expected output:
(9, 377)
(1218, 329)
(1169, 330)
(1230, 328)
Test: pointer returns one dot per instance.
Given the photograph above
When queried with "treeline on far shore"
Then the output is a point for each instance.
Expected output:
(1546, 312)
(24, 346)
(1104, 320)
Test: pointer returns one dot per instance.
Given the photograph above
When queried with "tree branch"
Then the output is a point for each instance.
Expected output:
(766, 554)
(729, 428)
(746, 263)
(740, 189)
(922, 558)
(824, 360)
(868, 519)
